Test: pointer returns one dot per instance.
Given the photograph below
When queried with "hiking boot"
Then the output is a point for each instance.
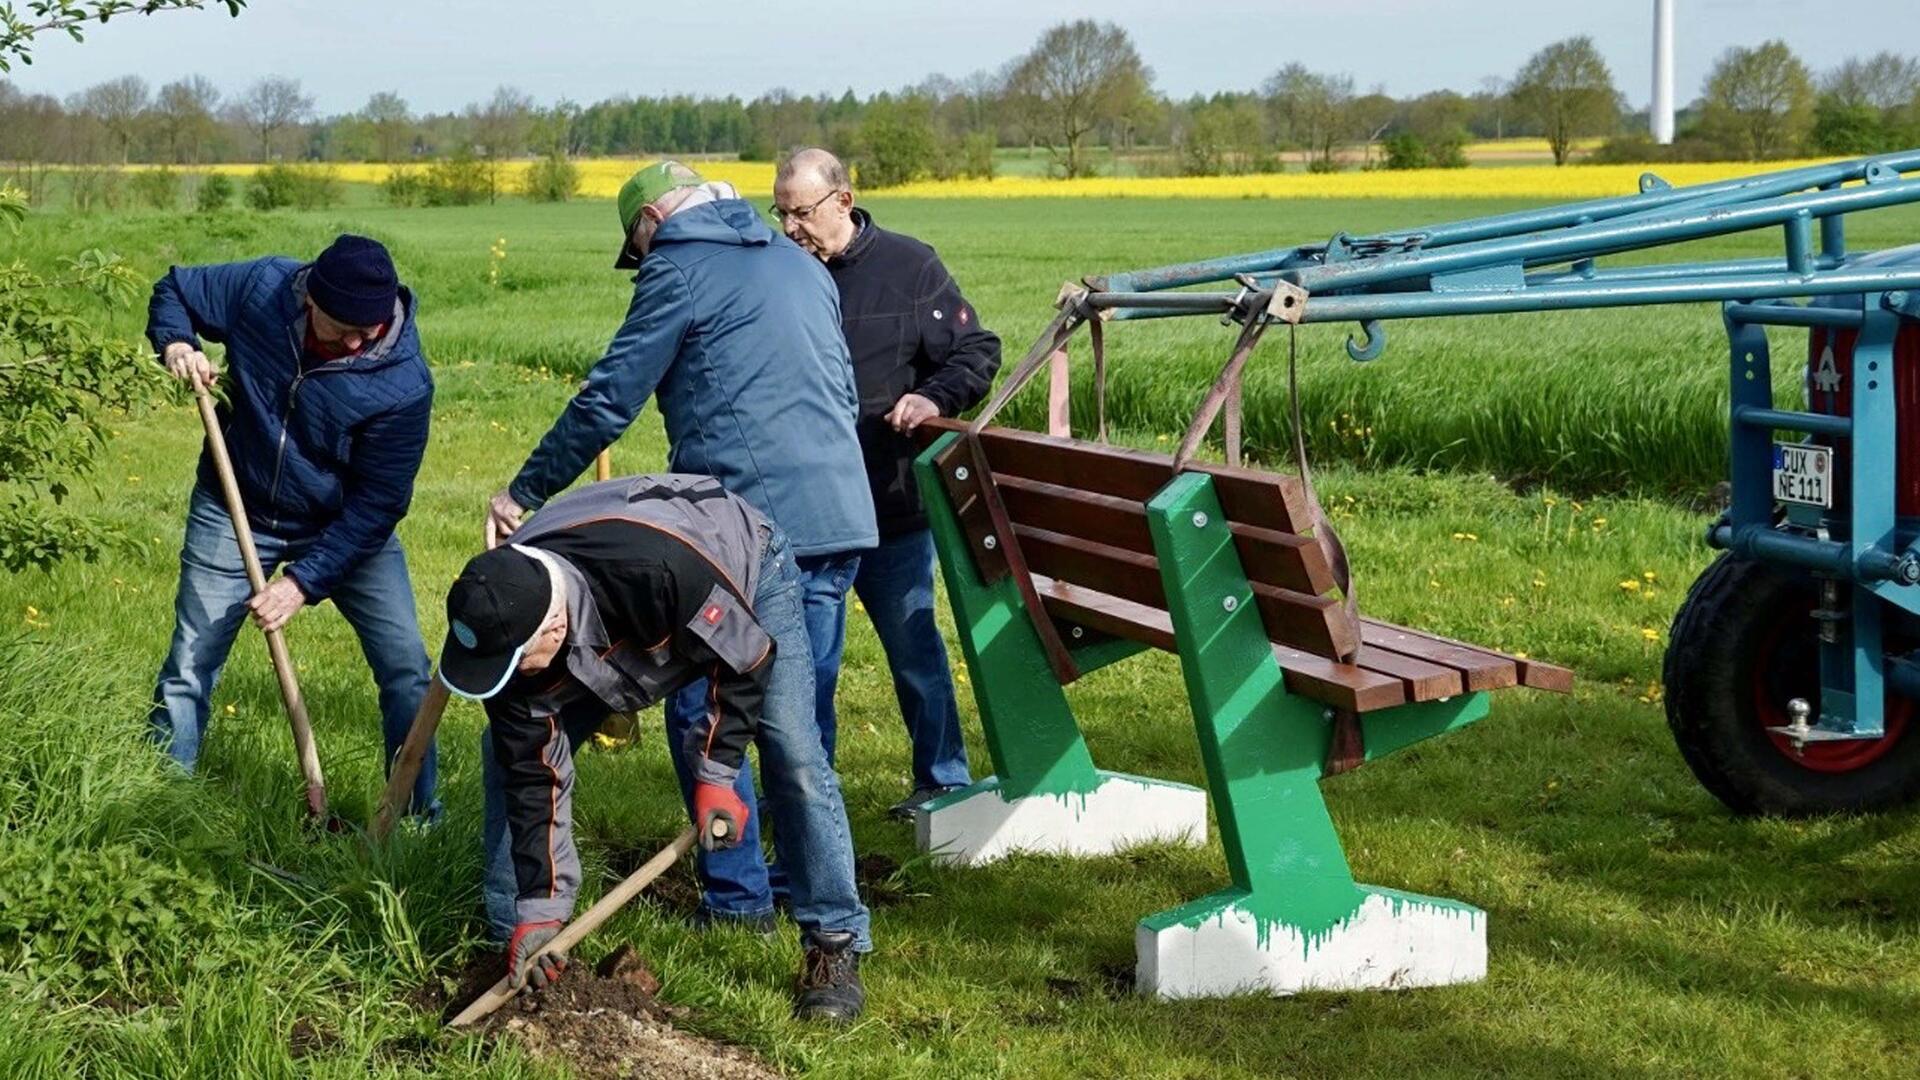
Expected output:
(766, 924)
(909, 808)
(829, 984)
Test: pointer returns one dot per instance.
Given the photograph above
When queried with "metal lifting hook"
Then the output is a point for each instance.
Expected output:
(1376, 342)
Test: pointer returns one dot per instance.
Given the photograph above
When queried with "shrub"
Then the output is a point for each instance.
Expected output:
(553, 178)
(459, 180)
(96, 189)
(1405, 150)
(158, 188)
(304, 187)
(216, 191)
(404, 187)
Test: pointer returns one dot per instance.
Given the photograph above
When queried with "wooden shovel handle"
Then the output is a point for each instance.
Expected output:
(296, 707)
(577, 930)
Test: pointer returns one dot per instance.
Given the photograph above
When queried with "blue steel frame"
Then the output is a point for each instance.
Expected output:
(1545, 260)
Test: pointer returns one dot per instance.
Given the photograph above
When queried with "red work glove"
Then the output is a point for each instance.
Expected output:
(523, 966)
(711, 803)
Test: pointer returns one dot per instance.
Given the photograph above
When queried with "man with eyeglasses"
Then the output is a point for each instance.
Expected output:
(918, 351)
(736, 333)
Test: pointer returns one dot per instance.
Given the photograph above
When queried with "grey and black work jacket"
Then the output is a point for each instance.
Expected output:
(661, 574)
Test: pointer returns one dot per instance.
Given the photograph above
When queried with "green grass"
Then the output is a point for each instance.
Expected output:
(1636, 928)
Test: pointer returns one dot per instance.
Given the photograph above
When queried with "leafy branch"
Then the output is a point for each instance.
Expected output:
(18, 28)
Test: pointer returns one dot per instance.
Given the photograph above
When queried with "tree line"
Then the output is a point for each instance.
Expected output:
(1082, 87)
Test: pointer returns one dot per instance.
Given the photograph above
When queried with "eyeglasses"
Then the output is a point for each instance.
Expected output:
(800, 215)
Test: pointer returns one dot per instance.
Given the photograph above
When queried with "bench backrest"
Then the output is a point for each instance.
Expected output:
(1077, 512)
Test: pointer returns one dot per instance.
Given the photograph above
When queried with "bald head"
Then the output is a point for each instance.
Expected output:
(814, 165)
(813, 198)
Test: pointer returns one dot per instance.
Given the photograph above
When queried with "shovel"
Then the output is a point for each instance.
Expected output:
(276, 642)
(577, 930)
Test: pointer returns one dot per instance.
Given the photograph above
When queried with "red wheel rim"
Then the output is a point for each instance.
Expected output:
(1828, 757)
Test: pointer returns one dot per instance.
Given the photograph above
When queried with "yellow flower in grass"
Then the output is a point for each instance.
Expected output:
(1649, 633)
(1630, 585)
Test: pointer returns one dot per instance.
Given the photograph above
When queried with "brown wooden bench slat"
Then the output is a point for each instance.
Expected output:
(1343, 686)
(1268, 556)
(1424, 681)
(1248, 496)
(1532, 674)
(1107, 614)
(1313, 623)
(1481, 670)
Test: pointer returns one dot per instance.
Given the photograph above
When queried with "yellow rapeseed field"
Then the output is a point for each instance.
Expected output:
(602, 177)
(1514, 182)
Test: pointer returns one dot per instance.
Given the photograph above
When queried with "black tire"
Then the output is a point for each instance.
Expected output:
(1742, 644)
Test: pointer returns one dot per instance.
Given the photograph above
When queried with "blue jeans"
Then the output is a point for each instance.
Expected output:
(376, 598)
(737, 881)
(810, 831)
(896, 585)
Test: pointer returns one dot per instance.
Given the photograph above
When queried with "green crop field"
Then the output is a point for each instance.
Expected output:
(1532, 483)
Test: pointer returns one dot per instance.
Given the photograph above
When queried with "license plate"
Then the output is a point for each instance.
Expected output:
(1803, 474)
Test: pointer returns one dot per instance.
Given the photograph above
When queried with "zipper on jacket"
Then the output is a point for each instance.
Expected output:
(293, 390)
(280, 452)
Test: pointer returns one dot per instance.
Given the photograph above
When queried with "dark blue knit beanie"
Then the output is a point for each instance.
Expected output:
(353, 281)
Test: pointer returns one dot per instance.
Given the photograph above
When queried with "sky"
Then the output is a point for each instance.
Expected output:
(442, 54)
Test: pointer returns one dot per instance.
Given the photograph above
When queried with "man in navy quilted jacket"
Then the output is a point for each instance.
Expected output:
(328, 401)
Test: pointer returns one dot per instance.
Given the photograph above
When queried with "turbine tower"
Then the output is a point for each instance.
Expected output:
(1661, 114)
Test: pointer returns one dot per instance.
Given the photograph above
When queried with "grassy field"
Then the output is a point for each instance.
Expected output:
(1636, 928)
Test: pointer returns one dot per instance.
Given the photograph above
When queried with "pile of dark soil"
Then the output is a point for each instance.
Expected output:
(603, 1022)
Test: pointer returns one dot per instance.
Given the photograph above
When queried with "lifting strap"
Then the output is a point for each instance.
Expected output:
(1225, 396)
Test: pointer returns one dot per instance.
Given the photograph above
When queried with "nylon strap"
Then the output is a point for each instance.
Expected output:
(1098, 336)
(1225, 396)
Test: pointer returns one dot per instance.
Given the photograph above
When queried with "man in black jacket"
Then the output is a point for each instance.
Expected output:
(613, 597)
(918, 351)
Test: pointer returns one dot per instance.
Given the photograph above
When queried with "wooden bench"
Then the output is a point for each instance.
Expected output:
(1062, 556)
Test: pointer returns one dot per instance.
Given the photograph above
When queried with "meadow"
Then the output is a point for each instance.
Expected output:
(1525, 482)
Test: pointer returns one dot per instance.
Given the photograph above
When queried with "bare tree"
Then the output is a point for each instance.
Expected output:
(1567, 89)
(184, 115)
(1079, 76)
(500, 130)
(1759, 100)
(31, 130)
(270, 107)
(1314, 111)
(1884, 81)
(117, 104)
(392, 124)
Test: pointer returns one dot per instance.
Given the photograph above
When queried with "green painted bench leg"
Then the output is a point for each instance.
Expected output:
(1045, 794)
(1293, 919)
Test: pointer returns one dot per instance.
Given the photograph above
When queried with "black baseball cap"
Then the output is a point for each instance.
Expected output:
(494, 609)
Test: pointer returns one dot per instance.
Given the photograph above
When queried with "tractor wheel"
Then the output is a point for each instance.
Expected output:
(1742, 646)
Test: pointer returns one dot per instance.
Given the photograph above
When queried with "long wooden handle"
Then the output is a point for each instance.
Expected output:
(413, 754)
(577, 930)
(276, 642)
(603, 465)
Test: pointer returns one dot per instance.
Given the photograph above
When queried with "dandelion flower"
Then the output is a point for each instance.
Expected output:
(1650, 633)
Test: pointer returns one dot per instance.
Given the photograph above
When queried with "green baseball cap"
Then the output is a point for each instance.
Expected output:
(642, 188)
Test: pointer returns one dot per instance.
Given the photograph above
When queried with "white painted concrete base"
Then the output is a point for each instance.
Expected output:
(1394, 941)
(976, 825)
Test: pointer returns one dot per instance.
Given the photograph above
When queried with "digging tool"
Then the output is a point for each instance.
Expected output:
(276, 642)
(413, 754)
(577, 930)
(603, 466)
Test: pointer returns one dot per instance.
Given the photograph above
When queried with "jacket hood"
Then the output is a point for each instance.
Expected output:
(722, 221)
